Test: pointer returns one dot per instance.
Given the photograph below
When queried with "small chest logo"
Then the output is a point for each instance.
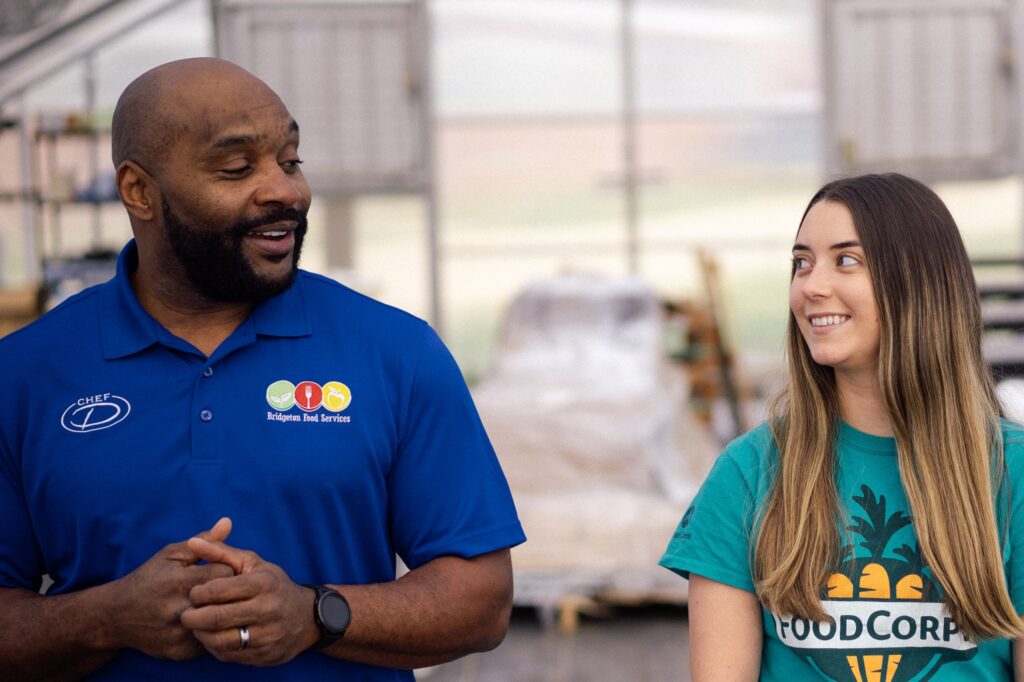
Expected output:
(95, 412)
(317, 403)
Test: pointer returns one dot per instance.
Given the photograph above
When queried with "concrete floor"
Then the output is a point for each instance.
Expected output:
(625, 644)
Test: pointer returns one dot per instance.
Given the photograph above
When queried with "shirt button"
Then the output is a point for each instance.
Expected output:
(206, 415)
(208, 372)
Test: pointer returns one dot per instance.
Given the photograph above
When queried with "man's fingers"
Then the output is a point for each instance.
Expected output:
(226, 645)
(225, 590)
(219, 532)
(217, 617)
(241, 561)
(201, 574)
(220, 640)
(180, 551)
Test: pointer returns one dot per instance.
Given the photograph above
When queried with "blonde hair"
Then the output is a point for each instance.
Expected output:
(941, 404)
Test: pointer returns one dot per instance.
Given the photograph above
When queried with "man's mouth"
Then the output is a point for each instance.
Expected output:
(274, 241)
(272, 235)
(828, 320)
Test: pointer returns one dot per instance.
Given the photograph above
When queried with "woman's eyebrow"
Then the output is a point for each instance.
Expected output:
(834, 247)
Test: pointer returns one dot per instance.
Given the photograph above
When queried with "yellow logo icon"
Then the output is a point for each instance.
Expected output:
(337, 396)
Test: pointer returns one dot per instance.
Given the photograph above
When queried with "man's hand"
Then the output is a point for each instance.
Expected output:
(261, 597)
(150, 599)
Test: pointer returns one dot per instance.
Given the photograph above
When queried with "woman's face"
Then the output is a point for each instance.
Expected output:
(831, 295)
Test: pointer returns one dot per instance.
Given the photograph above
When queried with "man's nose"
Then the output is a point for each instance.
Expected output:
(279, 187)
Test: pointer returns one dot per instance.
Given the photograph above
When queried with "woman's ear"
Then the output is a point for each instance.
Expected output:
(138, 191)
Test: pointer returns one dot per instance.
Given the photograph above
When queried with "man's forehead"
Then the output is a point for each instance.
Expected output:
(246, 136)
(221, 131)
(219, 127)
(221, 102)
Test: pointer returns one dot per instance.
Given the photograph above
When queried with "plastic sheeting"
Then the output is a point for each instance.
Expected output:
(1010, 393)
(593, 429)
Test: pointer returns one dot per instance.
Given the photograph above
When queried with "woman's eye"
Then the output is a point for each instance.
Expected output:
(847, 260)
(799, 263)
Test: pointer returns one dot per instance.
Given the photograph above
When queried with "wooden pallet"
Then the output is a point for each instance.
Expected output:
(560, 598)
(18, 307)
(565, 614)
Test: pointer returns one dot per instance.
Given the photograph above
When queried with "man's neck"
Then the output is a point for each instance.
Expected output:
(187, 314)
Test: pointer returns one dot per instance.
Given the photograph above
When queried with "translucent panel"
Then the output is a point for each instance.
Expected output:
(920, 86)
(353, 75)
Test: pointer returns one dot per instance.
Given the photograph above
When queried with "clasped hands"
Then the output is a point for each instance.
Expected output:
(175, 607)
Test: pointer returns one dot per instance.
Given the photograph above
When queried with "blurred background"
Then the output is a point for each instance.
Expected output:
(592, 200)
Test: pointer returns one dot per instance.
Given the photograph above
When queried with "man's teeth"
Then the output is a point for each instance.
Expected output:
(828, 320)
(274, 234)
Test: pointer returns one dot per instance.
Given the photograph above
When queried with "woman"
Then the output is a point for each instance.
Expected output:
(873, 529)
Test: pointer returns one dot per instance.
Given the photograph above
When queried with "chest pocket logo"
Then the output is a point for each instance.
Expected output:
(95, 412)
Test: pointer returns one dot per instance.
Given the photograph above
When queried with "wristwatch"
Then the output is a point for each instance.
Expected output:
(332, 615)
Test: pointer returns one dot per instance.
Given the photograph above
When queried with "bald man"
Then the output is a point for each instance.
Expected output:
(217, 456)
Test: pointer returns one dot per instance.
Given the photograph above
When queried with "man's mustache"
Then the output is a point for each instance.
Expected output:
(279, 215)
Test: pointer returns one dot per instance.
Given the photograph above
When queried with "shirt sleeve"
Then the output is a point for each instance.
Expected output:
(21, 564)
(447, 492)
(713, 537)
(1013, 451)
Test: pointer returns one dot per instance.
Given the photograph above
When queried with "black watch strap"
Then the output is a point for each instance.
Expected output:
(331, 613)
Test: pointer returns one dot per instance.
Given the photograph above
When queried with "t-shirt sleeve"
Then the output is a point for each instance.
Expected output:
(447, 492)
(1013, 445)
(20, 557)
(713, 537)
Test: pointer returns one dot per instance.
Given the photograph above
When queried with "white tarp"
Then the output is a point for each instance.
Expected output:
(593, 429)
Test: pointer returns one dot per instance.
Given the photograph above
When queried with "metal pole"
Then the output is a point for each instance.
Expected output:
(28, 202)
(340, 233)
(1018, 85)
(434, 255)
(629, 136)
(827, 58)
(94, 147)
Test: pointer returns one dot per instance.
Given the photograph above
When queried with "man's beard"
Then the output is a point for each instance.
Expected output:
(214, 261)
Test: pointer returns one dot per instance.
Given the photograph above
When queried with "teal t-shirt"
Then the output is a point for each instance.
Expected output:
(889, 621)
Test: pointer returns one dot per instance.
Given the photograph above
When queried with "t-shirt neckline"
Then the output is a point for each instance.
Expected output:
(866, 442)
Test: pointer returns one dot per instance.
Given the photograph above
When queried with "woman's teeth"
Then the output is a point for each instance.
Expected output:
(828, 320)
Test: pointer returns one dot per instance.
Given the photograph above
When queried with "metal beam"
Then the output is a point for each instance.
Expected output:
(80, 30)
(629, 135)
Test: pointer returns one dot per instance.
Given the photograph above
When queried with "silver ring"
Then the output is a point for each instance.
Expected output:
(244, 634)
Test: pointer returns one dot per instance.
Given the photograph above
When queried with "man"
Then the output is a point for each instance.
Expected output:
(216, 457)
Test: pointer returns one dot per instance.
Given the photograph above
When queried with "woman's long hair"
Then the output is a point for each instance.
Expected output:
(940, 402)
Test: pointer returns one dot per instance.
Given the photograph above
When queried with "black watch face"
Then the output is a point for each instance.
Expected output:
(334, 612)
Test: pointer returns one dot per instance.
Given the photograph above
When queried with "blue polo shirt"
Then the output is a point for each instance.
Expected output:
(335, 431)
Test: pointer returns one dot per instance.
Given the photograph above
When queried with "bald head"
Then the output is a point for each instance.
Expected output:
(167, 102)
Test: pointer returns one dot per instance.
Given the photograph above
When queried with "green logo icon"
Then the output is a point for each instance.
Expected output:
(281, 395)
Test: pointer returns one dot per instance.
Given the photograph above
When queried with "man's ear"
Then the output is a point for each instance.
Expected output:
(138, 191)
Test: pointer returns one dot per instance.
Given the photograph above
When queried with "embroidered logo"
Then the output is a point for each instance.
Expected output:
(311, 398)
(281, 395)
(95, 412)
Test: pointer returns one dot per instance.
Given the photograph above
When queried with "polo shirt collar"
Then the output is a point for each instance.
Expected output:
(285, 315)
(126, 328)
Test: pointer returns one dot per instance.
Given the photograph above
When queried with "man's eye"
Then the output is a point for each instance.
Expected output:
(292, 164)
(241, 170)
